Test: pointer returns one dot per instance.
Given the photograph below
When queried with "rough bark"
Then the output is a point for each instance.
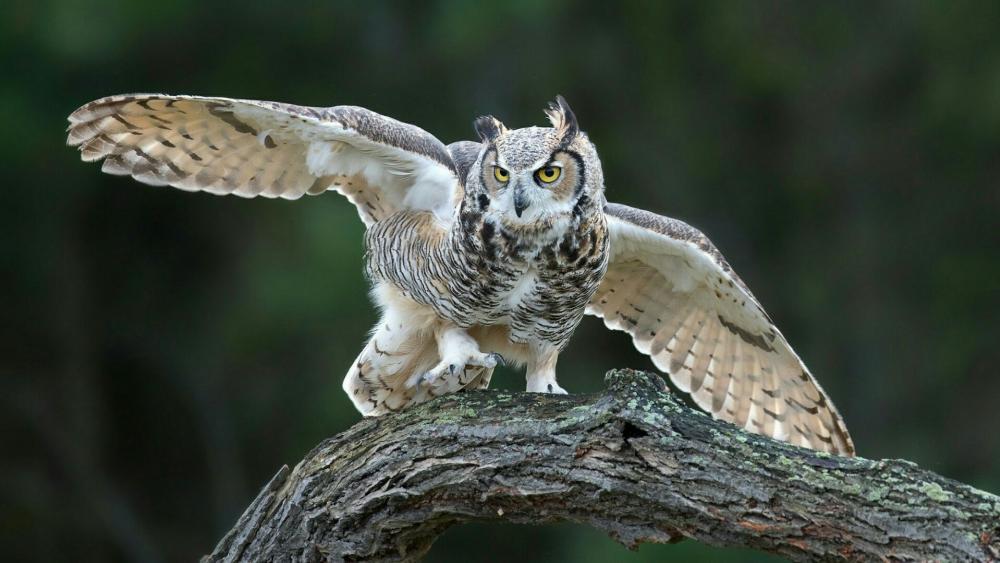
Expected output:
(633, 461)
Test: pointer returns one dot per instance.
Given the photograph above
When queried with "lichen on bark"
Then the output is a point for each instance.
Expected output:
(632, 461)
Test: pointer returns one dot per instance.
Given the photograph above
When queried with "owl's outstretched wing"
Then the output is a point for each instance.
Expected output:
(669, 288)
(270, 149)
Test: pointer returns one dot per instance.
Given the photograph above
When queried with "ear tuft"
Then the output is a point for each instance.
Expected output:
(563, 119)
(489, 128)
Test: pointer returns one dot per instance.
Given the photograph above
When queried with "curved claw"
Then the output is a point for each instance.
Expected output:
(544, 385)
(555, 389)
(416, 379)
(497, 359)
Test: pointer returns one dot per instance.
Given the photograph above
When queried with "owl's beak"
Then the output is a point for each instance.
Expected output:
(520, 200)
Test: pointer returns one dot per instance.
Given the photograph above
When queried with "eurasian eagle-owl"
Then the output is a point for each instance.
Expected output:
(482, 251)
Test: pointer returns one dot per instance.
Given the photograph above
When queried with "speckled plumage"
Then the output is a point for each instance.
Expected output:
(482, 251)
(529, 277)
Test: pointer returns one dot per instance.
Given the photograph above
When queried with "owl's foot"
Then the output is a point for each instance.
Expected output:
(456, 371)
(542, 372)
(545, 385)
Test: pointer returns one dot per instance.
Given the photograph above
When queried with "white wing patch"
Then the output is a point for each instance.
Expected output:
(435, 190)
(688, 268)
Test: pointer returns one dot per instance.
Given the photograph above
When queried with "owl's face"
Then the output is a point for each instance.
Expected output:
(536, 176)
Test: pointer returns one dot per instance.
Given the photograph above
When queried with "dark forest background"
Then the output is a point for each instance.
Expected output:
(162, 353)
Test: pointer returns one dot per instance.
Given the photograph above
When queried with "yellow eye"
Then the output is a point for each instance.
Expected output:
(548, 174)
(500, 174)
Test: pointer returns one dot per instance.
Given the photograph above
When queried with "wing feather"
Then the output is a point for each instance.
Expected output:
(703, 357)
(253, 148)
(669, 288)
(725, 380)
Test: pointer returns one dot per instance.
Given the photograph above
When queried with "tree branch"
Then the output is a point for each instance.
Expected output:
(632, 461)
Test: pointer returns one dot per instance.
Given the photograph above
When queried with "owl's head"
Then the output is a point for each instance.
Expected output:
(536, 176)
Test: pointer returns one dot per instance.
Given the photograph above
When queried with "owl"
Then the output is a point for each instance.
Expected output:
(482, 252)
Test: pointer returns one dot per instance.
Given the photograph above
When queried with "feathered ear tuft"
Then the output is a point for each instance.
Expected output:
(489, 128)
(563, 119)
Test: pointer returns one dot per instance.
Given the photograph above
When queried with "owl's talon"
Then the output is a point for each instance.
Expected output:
(450, 372)
(544, 385)
(555, 389)
(497, 359)
(418, 378)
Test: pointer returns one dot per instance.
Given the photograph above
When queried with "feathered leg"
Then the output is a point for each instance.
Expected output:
(460, 363)
(376, 382)
(541, 373)
(412, 357)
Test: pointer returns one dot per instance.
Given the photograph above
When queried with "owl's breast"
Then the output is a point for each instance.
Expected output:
(548, 301)
(487, 275)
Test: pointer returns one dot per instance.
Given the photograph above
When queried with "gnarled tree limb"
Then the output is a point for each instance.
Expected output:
(632, 461)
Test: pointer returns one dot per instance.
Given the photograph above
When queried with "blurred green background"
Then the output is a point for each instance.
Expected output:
(163, 353)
